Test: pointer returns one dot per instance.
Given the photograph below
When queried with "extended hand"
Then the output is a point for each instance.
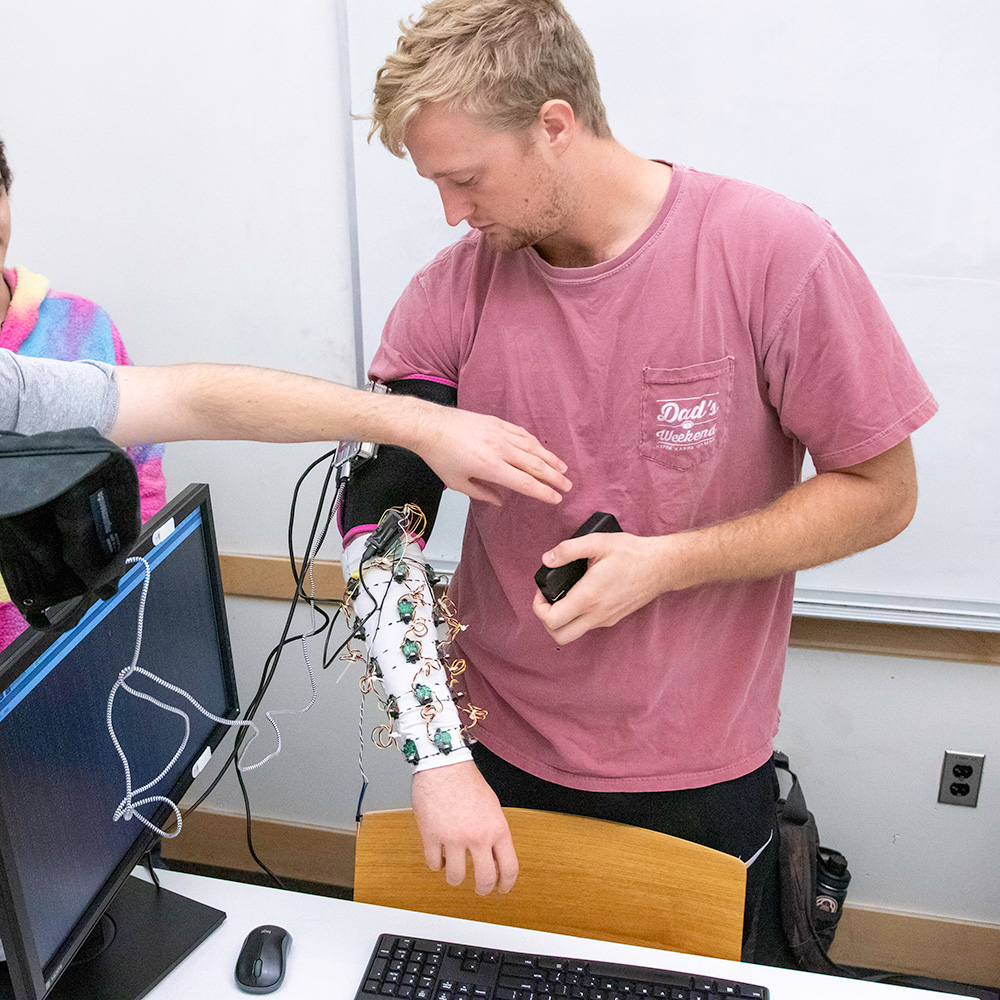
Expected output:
(457, 812)
(469, 449)
(625, 573)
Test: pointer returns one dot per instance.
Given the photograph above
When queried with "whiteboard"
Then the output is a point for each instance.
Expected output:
(880, 116)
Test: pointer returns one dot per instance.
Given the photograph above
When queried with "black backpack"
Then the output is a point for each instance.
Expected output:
(809, 911)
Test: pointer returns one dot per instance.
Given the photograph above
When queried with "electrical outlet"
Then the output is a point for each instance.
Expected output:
(960, 777)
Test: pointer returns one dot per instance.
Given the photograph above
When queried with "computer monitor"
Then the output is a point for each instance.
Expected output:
(73, 922)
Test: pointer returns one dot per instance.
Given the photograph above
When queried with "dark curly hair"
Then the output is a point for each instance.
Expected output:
(5, 175)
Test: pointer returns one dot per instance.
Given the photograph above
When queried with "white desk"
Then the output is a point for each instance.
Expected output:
(332, 941)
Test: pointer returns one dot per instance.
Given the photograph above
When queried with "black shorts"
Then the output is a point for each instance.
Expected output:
(736, 817)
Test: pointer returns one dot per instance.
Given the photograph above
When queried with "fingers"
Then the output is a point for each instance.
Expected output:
(484, 867)
(571, 549)
(494, 866)
(540, 464)
(533, 471)
(469, 449)
(454, 867)
(433, 855)
(529, 442)
(557, 618)
(541, 607)
(505, 858)
(561, 620)
(527, 484)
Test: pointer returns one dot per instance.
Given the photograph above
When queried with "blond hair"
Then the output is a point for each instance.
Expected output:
(500, 60)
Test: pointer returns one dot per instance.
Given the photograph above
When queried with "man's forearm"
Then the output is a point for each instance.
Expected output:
(828, 517)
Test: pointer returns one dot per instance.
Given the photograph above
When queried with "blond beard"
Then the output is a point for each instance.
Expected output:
(550, 219)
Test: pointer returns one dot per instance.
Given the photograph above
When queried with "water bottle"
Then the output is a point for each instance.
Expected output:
(832, 880)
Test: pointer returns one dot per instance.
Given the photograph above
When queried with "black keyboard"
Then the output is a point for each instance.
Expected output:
(417, 969)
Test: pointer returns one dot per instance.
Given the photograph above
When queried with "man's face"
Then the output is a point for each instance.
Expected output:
(503, 184)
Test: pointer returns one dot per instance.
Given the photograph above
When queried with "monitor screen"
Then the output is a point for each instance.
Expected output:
(63, 856)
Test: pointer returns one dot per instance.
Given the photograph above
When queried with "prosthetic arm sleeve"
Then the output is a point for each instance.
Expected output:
(394, 600)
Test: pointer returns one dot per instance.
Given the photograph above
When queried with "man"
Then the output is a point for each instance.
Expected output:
(132, 405)
(681, 339)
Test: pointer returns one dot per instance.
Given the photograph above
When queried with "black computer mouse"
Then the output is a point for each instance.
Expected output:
(261, 965)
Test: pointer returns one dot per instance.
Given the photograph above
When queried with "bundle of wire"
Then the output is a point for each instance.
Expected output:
(320, 621)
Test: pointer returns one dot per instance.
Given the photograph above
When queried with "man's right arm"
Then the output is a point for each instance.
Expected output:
(404, 629)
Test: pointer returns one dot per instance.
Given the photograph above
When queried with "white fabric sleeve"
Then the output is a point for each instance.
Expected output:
(41, 394)
(396, 605)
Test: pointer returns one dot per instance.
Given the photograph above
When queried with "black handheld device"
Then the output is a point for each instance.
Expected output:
(555, 583)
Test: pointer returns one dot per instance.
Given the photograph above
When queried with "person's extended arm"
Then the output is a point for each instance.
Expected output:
(231, 402)
(828, 517)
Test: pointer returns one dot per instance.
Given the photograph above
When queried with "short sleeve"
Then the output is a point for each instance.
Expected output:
(40, 394)
(836, 369)
(433, 320)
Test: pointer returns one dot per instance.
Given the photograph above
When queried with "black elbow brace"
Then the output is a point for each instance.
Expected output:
(396, 476)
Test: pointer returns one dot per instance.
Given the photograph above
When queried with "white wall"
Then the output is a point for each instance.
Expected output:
(184, 166)
(866, 736)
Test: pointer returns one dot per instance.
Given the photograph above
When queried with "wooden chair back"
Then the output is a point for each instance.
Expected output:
(581, 876)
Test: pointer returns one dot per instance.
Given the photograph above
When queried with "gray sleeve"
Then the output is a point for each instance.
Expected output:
(39, 394)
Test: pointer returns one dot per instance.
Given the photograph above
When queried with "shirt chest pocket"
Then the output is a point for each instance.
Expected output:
(685, 413)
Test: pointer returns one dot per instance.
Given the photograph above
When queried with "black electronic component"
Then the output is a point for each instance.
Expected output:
(555, 582)
(389, 529)
(352, 454)
(69, 515)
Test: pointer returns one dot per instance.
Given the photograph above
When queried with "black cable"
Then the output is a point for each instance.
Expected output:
(271, 662)
(246, 809)
(275, 656)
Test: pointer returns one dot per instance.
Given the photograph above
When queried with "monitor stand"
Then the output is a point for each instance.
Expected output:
(151, 931)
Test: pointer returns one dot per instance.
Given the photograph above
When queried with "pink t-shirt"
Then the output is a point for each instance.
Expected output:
(682, 382)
